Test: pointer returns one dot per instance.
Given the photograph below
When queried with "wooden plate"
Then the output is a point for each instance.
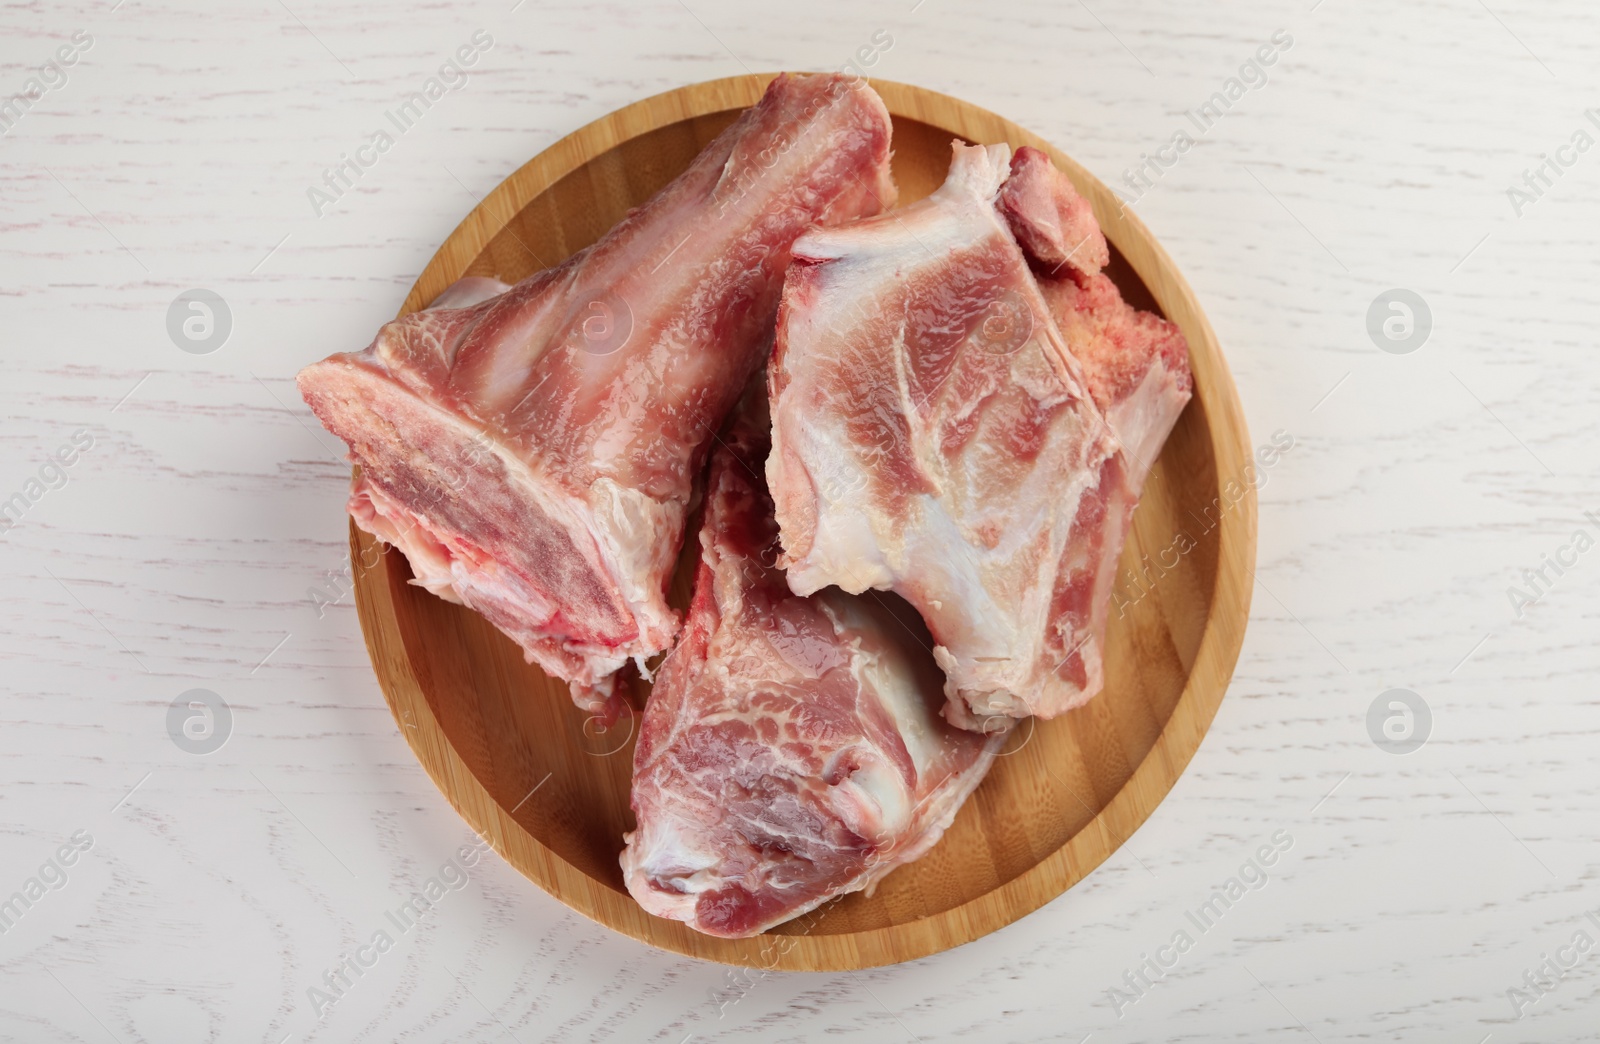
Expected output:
(526, 770)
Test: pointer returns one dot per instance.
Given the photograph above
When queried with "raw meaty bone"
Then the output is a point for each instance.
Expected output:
(791, 750)
(1136, 365)
(532, 454)
(935, 435)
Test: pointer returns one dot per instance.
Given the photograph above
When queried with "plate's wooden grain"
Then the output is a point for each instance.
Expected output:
(520, 763)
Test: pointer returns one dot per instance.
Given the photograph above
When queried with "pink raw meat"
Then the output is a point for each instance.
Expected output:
(1051, 221)
(791, 750)
(1137, 368)
(533, 453)
(933, 435)
(935, 432)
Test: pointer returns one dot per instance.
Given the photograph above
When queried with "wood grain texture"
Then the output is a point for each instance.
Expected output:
(492, 730)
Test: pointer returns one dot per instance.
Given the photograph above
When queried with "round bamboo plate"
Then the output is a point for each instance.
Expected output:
(550, 792)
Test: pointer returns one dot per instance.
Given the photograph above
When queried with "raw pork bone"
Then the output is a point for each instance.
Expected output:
(533, 454)
(935, 434)
(1137, 368)
(791, 750)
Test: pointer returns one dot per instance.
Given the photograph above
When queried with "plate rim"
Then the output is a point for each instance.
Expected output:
(1151, 780)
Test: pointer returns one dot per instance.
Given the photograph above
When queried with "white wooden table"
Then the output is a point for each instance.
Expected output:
(208, 893)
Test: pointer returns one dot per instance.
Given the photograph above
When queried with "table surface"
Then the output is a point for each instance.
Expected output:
(195, 530)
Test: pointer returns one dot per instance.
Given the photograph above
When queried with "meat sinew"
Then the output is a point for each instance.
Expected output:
(936, 434)
(791, 750)
(532, 454)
